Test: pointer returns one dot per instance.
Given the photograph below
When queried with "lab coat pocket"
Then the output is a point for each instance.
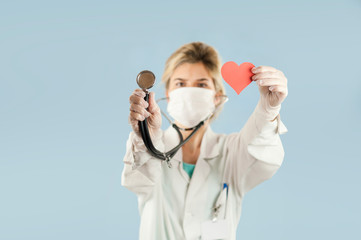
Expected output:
(218, 227)
(213, 230)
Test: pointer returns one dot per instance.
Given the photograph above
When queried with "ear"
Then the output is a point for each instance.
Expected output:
(217, 98)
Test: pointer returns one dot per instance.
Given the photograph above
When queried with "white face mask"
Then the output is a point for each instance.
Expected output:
(190, 105)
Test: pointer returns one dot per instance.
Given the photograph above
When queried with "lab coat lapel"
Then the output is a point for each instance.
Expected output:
(199, 177)
(209, 150)
(211, 146)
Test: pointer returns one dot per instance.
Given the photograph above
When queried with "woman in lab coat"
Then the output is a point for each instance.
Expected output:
(200, 196)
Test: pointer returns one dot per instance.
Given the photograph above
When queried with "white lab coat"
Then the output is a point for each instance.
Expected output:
(173, 206)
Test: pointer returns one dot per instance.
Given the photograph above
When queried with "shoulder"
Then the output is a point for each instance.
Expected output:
(221, 137)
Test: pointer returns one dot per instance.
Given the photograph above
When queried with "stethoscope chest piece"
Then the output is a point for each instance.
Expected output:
(145, 79)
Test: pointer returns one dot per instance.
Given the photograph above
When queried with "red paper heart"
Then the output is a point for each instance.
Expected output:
(238, 77)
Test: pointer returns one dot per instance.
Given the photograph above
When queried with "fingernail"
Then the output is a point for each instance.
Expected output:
(271, 88)
(253, 69)
(260, 82)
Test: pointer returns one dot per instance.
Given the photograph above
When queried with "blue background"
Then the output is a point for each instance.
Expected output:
(68, 68)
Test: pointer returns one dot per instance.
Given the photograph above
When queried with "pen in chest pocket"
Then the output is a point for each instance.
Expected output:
(221, 203)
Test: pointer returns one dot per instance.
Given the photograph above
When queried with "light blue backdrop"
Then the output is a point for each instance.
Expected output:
(68, 68)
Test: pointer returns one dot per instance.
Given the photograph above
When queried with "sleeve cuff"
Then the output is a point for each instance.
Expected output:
(139, 152)
(264, 114)
(266, 110)
(138, 144)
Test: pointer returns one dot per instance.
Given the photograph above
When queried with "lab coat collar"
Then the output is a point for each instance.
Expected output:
(209, 145)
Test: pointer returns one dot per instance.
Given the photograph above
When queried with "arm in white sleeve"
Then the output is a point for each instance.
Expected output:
(256, 152)
(141, 170)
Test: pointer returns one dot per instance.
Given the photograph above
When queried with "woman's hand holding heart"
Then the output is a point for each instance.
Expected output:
(272, 84)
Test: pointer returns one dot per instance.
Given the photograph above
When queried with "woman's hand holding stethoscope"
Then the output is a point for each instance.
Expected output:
(272, 84)
(146, 120)
(140, 109)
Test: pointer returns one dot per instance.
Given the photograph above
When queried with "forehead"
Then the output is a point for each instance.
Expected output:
(191, 71)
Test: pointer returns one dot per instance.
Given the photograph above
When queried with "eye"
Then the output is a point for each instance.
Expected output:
(203, 85)
(179, 84)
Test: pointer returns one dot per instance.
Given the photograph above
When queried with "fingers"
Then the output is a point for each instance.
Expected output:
(139, 100)
(269, 82)
(279, 89)
(272, 83)
(267, 72)
(139, 92)
(266, 75)
(269, 76)
(260, 69)
(153, 106)
(138, 107)
(135, 108)
(138, 111)
(137, 116)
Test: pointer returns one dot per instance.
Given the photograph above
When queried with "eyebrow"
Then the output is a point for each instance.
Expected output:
(200, 79)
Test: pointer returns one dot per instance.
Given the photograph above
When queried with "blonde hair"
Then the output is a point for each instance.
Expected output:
(195, 52)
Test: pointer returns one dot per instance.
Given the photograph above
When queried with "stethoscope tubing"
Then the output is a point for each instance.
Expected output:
(166, 156)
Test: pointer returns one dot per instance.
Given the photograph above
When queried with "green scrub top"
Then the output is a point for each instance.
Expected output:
(189, 168)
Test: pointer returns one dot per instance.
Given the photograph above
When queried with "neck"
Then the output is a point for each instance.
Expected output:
(195, 141)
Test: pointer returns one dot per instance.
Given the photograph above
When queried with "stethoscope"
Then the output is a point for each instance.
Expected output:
(145, 80)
